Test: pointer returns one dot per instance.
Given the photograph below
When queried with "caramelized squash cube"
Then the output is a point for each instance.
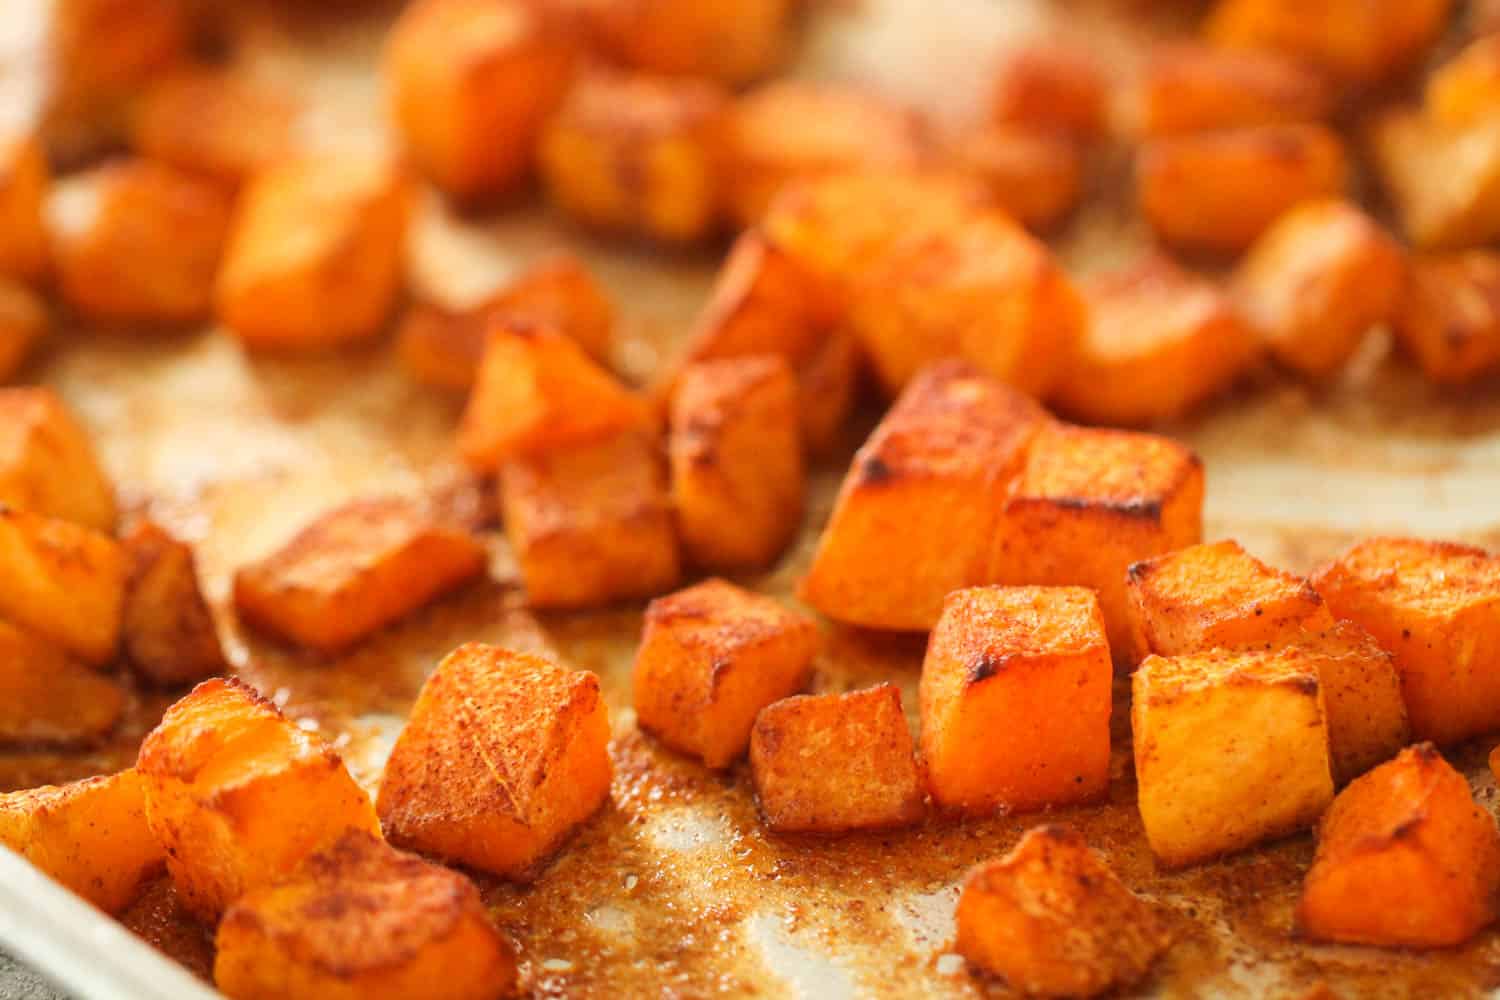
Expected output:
(1443, 181)
(1087, 504)
(591, 524)
(711, 657)
(1362, 695)
(213, 122)
(1051, 87)
(636, 155)
(1231, 749)
(504, 756)
(90, 835)
(138, 242)
(1187, 88)
(361, 918)
(1053, 919)
(47, 697)
(355, 570)
(1466, 89)
(924, 494)
(1361, 41)
(736, 460)
(24, 183)
(1436, 607)
(1406, 859)
(47, 462)
(999, 664)
(734, 41)
(1218, 191)
(23, 324)
(238, 795)
(1448, 319)
(316, 255)
(1158, 342)
(830, 763)
(62, 581)
(472, 83)
(1034, 176)
(170, 636)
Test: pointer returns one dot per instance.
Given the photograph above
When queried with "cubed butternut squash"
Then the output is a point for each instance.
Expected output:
(999, 664)
(1406, 859)
(1053, 919)
(1442, 181)
(62, 581)
(1466, 88)
(924, 493)
(1231, 749)
(734, 41)
(1362, 696)
(559, 290)
(91, 836)
(362, 919)
(24, 324)
(169, 632)
(47, 462)
(1448, 318)
(504, 756)
(1360, 41)
(711, 657)
(1053, 87)
(355, 570)
(24, 183)
(1033, 175)
(831, 763)
(47, 697)
(238, 795)
(214, 122)
(1185, 88)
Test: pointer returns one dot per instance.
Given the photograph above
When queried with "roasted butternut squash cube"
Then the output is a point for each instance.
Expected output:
(1087, 504)
(138, 242)
(1361, 694)
(24, 183)
(537, 391)
(1053, 919)
(1218, 191)
(90, 835)
(1157, 343)
(1443, 181)
(47, 462)
(591, 524)
(559, 290)
(1357, 40)
(213, 122)
(865, 776)
(1185, 88)
(931, 478)
(794, 129)
(355, 570)
(636, 155)
(48, 697)
(1033, 175)
(1051, 87)
(1406, 859)
(711, 657)
(362, 918)
(62, 581)
(170, 636)
(23, 324)
(734, 41)
(1231, 749)
(504, 756)
(736, 458)
(1466, 88)
(315, 257)
(999, 663)
(472, 83)
(1317, 281)
(984, 290)
(1436, 607)
(1448, 319)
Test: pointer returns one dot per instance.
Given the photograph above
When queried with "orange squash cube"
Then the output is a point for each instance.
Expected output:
(984, 290)
(23, 324)
(711, 657)
(472, 83)
(504, 756)
(999, 663)
(1448, 320)
(362, 918)
(1034, 176)
(315, 257)
(1187, 88)
(1231, 749)
(1442, 181)
(355, 570)
(591, 524)
(636, 155)
(238, 795)
(1466, 88)
(90, 836)
(794, 129)
(24, 183)
(47, 697)
(1051, 87)
(1436, 607)
(736, 458)
(1053, 919)
(866, 775)
(1406, 859)
(1087, 504)
(1361, 695)
(924, 493)
(47, 462)
(138, 242)
(734, 41)
(1359, 40)
(213, 122)
(169, 632)
(1158, 342)
(1218, 191)
(62, 581)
